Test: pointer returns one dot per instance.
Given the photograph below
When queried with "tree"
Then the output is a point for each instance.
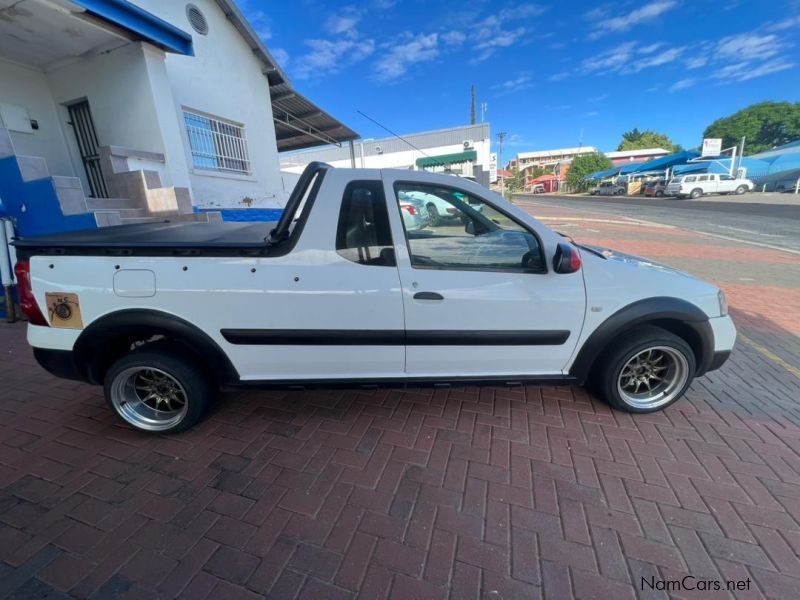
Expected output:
(584, 165)
(639, 140)
(766, 125)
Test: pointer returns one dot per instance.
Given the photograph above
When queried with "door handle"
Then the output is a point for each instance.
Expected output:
(428, 296)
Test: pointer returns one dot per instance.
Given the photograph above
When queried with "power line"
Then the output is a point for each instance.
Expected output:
(398, 136)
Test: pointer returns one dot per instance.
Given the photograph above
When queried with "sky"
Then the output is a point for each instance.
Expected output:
(552, 74)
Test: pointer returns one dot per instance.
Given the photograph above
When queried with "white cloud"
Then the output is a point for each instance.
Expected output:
(682, 84)
(559, 76)
(789, 23)
(648, 12)
(591, 113)
(280, 55)
(696, 62)
(522, 11)
(522, 82)
(612, 59)
(744, 71)
(344, 21)
(626, 58)
(598, 98)
(655, 60)
(749, 46)
(327, 57)
(409, 50)
(454, 38)
(261, 23)
(500, 30)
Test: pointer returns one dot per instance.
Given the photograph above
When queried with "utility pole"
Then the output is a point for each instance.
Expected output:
(501, 136)
(472, 105)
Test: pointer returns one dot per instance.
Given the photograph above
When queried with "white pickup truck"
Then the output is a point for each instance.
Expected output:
(695, 186)
(341, 292)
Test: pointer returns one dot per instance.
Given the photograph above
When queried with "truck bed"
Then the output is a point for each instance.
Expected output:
(154, 238)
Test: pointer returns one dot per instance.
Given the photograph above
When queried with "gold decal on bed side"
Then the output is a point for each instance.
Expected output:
(64, 310)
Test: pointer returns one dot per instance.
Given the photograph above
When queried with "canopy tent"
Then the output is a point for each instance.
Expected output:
(755, 168)
(607, 173)
(668, 162)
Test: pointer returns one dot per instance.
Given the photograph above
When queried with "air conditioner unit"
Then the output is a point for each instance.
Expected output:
(378, 150)
(468, 144)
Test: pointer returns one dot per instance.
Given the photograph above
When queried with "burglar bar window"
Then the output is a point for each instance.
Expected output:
(217, 145)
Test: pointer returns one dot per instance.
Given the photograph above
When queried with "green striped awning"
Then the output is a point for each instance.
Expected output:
(447, 159)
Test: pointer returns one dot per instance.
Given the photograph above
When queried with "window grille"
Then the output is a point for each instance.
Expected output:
(217, 145)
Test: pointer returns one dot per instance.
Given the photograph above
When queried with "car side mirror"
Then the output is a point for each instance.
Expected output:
(567, 259)
(470, 227)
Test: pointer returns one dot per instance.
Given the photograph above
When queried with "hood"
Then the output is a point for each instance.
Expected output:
(632, 260)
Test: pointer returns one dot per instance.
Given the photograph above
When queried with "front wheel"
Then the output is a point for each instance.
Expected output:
(160, 390)
(646, 371)
(741, 190)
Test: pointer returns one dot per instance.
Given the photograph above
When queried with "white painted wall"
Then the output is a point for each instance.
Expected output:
(120, 94)
(27, 86)
(223, 79)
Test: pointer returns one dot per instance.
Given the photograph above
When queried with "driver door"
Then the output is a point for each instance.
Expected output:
(479, 299)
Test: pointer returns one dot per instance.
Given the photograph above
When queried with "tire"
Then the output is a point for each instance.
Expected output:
(741, 190)
(696, 193)
(621, 357)
(182, 386)
(433, 213)
(659, 194)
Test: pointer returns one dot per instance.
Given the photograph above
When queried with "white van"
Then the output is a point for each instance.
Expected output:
(695, 186)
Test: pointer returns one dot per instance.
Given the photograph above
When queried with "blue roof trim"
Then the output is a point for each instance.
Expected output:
(141, 22)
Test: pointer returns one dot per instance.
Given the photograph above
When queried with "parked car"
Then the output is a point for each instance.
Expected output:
(341, 291)
(655, 188)
(415, 213)
(608, 188)
(440, 212)
(694, 186)
(538, 188)
(788, 185)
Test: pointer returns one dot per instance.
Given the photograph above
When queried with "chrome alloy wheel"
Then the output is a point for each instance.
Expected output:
(653, 377)
(149, 398)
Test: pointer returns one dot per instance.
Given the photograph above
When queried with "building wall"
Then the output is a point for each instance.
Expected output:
(27, 86)
(395, 153)
(121, 98)
(224, 79)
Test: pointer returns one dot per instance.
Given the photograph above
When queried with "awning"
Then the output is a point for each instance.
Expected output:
(299, 123)
(669, 161)
(447, 159)
(142, 23)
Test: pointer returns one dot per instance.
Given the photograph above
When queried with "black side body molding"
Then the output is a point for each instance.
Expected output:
(660, 311)
(369, 337)
(147, 323)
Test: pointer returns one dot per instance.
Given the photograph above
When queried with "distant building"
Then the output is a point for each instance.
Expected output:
(549, 158)
(462, 150)
(619, 157)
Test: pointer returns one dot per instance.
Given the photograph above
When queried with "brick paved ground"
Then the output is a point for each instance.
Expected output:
(494, 493)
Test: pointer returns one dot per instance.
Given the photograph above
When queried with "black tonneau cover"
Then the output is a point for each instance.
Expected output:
(165, 235)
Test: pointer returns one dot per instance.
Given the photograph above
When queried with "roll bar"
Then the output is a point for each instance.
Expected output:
(281, 231)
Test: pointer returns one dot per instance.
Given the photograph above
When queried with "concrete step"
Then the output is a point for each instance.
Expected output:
(124, 213)
(111, 203)
(64, 182)
(32, 167)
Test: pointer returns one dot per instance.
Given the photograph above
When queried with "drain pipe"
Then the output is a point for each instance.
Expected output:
(6, 274)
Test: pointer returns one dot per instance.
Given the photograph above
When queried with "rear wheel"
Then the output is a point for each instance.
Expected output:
(160, 390)
(433, 213)
(646, 371)
(696, 193)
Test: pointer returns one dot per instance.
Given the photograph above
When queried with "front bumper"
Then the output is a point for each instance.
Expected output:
(724, 339)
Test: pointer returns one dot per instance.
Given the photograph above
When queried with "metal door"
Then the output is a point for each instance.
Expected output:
(86, 137)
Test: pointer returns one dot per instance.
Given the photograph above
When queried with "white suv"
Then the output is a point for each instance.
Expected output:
(695, 186)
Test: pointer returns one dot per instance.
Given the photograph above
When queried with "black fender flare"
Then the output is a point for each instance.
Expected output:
(673, 314)
(147, 322)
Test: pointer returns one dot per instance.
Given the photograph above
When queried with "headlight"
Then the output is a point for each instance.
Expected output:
(723, 304)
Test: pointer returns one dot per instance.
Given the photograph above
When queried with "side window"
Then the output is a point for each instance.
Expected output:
(726, 178)
(363, 234)
(690, 178)
(451, 229)
(702, 178)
